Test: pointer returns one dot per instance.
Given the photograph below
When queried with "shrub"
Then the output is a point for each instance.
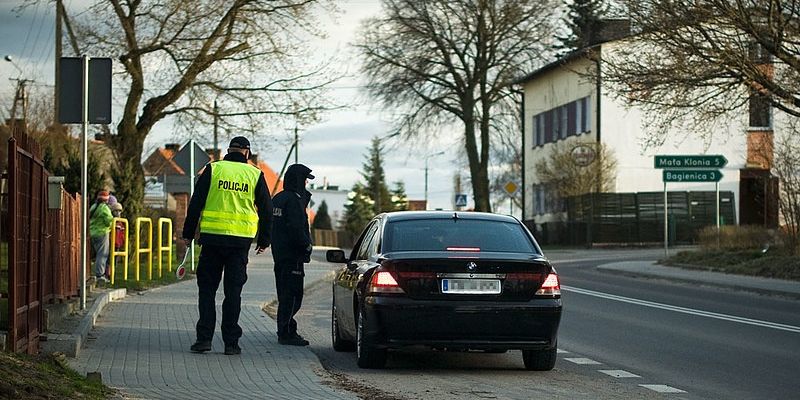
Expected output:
(736, 237)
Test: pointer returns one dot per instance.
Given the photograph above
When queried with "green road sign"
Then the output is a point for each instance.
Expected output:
(692, 175)
(691, 161)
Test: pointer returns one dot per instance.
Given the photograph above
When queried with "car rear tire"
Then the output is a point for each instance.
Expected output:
(339, 344)
(368, 356)
(539, 360)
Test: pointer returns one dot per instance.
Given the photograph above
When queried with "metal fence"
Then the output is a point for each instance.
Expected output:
(636, 218)
(42, 260)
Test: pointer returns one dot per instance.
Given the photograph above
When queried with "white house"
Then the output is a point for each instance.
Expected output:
(568, 102)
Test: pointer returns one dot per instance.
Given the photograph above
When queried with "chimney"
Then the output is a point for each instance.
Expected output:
(612, 29)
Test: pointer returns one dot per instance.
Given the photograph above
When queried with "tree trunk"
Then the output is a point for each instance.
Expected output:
(477, 167)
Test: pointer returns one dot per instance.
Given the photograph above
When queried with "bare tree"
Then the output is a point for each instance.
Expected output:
(180, 57)
(694, 62)
(786, 167)
(572, 172)
(442, 61)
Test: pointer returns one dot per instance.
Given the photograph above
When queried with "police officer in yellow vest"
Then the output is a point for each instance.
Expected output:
(232, 203)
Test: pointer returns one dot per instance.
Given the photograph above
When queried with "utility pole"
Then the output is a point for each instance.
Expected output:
(216, 126)
(59, 17)
(19, 97)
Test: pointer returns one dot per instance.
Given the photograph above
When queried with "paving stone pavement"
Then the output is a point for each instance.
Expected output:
(141, 346)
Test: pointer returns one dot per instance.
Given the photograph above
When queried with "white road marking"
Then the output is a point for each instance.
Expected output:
(618, 373)
(559, 351)
(663, 388)
(691, 311)
(583, 361)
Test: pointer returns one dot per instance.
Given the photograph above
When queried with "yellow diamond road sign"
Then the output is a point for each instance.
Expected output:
(511, 187)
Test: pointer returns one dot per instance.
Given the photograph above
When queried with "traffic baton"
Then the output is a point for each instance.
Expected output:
(180, 272)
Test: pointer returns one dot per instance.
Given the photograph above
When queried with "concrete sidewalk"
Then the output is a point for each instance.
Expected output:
(141, 346)
(771, 286)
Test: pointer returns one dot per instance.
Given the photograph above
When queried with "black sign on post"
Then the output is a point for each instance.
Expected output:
(71, 87)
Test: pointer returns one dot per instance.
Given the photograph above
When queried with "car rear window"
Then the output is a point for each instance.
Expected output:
(439, 234)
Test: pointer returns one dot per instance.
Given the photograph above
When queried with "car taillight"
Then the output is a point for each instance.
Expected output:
(384, 282)
(550, 287)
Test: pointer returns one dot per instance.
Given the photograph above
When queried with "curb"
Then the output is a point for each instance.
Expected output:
(70, 343)
(696, 277)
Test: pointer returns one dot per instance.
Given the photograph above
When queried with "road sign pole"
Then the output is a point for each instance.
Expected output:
(84, 178)
(666, 224)
(716, 184)
(191, 192)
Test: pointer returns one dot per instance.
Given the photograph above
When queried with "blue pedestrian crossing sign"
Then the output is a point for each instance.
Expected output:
(461, 200)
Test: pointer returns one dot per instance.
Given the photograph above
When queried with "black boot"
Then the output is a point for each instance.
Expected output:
(201, 346)
(232, 349)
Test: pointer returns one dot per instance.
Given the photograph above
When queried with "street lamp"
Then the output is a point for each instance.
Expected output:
(11, 60)
(426, 174)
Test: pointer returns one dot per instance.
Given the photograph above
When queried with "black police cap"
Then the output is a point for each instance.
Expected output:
(239, 142)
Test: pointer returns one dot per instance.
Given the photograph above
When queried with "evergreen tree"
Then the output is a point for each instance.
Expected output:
(358, 210)
(584, 20)
(70, 168)
(373, 174)
(399, 197)
(322, 220)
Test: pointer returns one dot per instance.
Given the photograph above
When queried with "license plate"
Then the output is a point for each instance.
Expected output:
(470, 286)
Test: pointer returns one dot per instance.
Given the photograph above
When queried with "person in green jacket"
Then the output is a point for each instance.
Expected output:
(100, 222)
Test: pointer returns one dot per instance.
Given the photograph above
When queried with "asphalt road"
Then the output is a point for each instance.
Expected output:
(617, 334)
(722, 344)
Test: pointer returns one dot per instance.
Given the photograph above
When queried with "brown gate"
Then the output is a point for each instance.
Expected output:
(27, 180)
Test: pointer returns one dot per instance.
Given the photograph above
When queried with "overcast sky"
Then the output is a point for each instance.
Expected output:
(334, 148)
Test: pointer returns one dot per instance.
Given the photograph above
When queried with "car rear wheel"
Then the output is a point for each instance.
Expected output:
(368, 356)
(339, 344)
(539, 360)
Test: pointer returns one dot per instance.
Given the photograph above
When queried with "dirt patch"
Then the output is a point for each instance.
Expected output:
(339, 380)
(46, 377)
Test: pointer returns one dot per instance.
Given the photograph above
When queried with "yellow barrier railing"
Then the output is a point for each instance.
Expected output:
(162, 248)
(147, 250)
(115, 253)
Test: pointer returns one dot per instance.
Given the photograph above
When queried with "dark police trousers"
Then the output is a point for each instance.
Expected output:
(213, 261)
(289, 285)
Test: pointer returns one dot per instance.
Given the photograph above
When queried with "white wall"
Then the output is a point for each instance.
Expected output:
(549, 90)
(623, 130)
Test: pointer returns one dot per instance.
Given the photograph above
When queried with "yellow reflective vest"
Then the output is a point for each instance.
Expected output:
(230, 206)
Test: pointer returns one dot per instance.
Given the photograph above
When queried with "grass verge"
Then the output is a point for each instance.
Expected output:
(45, 377)
(742, 262)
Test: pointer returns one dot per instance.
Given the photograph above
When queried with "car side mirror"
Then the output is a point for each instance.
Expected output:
(335, 256)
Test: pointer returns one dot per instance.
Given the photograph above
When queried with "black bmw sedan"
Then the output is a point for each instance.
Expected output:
(445, 281)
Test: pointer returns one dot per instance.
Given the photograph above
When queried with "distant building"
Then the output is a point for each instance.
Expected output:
(334, 197)
(567, 102)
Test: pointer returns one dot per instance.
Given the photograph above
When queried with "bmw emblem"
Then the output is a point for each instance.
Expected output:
(472, 266)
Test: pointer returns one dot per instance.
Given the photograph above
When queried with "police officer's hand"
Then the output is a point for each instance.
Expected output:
(260, 249)
(187, 241)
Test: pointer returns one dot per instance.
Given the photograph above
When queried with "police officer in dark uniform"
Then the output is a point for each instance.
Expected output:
(232, 203)
(291, 247)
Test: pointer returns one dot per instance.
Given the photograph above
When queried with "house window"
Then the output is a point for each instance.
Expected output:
(541, 129)
(578, 113)
(539, 199)
(572, 126)
(535, 126)
(562, 130)
(586, 109)
(760, 111)
(556, 133)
